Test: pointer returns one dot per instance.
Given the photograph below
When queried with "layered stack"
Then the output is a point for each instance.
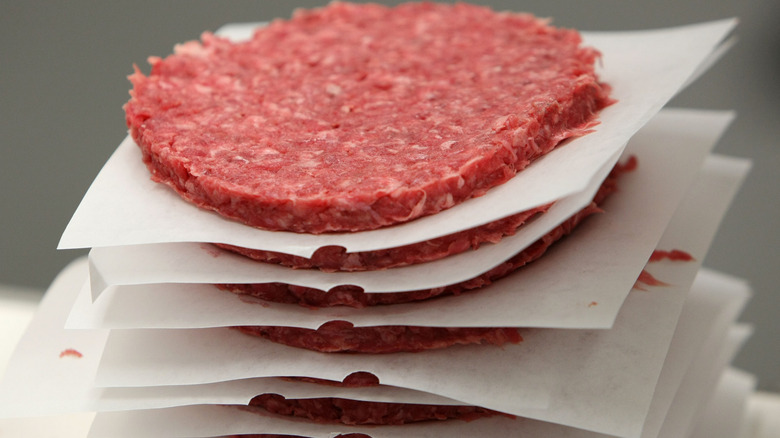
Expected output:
(439, 273)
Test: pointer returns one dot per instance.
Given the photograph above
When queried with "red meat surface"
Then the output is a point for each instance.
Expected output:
(274, 435)
(354, 380)
(357, 116)
(673, 255)
(342, 337)
(332, 410)
(332, 258)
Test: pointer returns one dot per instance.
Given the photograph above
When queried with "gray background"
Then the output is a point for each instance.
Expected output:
(63, 68)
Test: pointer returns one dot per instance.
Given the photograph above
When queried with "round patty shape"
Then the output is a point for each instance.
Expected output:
(353, 117)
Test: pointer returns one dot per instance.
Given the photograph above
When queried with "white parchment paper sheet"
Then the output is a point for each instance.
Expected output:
(599, 380)
(724, 413)
(38, 381)
(701, 378)
(645, 69)
(603, 258)
(726, 297)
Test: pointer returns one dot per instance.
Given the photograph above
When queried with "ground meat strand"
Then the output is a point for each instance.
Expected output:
(646, 278)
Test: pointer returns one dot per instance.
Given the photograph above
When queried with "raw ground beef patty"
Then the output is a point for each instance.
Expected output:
(332, 410)
(342, 337)
(353, 117)
(335, 258)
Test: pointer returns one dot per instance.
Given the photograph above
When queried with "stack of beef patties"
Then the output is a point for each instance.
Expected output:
(378, 216)
(320, 125)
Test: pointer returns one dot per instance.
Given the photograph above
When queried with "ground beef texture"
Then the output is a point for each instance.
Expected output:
(357, 116)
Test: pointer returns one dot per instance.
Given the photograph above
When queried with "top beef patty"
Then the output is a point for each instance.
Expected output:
(354, 117)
